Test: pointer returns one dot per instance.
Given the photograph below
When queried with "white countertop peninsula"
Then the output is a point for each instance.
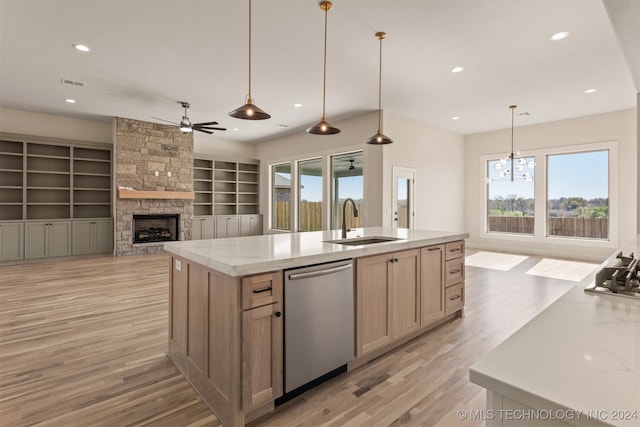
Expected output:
(577, 363)
(241, 256)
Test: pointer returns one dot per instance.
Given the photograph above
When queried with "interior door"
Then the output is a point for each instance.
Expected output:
(403, 197)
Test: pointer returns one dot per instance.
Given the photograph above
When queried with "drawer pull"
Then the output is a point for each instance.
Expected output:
(455, 250)
(455, 271)
(455, 297)
(433, 249)
(259, 291)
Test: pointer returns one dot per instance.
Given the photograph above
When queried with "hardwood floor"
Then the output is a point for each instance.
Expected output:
(83, 343)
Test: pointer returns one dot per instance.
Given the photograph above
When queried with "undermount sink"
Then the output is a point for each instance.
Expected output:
(358, 241)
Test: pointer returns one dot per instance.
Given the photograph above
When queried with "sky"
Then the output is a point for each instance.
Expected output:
(569, 175)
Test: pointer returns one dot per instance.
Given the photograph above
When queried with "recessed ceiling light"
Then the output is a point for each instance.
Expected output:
(70, 101)
(297, 105)
(236, 129)
(457, 69)
(559, 36)
(589, 91)
(82, 47)
(455, 118)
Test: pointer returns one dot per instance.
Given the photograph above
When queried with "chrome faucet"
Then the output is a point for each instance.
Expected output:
(344, 215)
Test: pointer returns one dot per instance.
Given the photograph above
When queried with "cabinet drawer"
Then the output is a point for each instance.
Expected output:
(454, 250)
(453, 298)
(261, 290)
(454, 272)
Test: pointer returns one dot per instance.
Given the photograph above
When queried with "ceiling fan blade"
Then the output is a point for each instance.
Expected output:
(209, 128)
(205, 123)
(168, 121)
(203, 130)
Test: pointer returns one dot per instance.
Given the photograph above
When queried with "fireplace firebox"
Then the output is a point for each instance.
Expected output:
(155, 228)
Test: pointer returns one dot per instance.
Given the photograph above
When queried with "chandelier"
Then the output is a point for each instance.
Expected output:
(513, 166)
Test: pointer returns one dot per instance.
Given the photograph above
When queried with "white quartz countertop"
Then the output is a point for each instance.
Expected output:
(240, 256)
(582, 353)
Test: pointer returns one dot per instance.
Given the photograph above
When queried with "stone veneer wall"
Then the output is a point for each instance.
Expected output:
(141, 149)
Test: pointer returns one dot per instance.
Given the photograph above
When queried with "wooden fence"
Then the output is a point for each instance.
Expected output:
(592, 228)
(311, 216)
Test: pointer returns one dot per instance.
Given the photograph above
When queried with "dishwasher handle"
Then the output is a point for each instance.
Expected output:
(332, 270)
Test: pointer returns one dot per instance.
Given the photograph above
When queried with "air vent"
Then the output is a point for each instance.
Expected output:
(71, 82)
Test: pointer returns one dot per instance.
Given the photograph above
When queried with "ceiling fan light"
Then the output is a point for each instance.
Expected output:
(379, 139)
(185, 125)
(249, 111)
(323, 127)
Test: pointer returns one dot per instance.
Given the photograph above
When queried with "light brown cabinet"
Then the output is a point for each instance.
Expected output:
(432, 284)
(261, 339)
(225, 336)
(387, 298)
(454, 277)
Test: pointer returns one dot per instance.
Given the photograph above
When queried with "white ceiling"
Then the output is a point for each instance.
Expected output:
(146, 55)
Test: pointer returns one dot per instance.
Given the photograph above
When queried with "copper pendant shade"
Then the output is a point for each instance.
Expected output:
(323, 127)
(249, 111)
(379, 138)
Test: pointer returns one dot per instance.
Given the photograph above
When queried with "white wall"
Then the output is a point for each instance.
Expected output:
(615, 126)
(437, 156)
(52, 126)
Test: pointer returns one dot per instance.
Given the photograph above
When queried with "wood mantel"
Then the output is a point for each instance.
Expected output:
(132, 194)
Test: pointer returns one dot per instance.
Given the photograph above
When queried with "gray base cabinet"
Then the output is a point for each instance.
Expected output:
(47, 239)
(92, 236)
(227, 226)
(11, 241)
(251, 225)
(203, 228)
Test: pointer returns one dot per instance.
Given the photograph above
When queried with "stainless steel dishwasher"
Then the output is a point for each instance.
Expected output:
(318, 321)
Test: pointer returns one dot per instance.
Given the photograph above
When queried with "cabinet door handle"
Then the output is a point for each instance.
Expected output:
(278, 314)
(433, 249)
(393, 260)
(259, 291)
(455, 250)
(455, 297)
(455, 271)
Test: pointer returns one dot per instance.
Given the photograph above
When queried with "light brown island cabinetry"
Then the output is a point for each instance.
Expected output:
(226, 333)
(225, 336)
(388, 290)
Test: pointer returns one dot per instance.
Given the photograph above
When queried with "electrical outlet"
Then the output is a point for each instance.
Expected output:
(157, 173)
(169, 174)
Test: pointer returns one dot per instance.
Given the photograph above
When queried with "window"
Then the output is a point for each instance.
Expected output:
(281, 196)
(310, 195)
(510, 203)
(347, 181)
(578, 195)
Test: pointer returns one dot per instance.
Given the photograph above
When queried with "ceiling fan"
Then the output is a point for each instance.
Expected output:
(186, 126)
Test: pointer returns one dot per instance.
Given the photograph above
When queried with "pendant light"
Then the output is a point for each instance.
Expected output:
(379, 138)
(249, 111)
(323, 127)
(508, 166)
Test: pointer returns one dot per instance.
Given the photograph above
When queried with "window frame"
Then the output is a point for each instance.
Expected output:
(332, 195)
(540, 198)
(272, 196)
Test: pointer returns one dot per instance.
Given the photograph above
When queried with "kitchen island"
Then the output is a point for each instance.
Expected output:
(576, 363)
(226, 304)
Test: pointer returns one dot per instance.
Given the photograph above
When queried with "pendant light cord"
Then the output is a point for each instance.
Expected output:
(249, 96)
(513, 109)
(380, 37)
(324, 70)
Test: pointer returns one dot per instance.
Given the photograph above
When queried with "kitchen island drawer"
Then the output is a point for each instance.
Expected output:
(454, 250)
(261, 290)
(454, 298)
(454, 272)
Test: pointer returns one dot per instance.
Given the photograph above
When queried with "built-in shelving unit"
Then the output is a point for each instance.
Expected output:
(44, 187)
(225, 187)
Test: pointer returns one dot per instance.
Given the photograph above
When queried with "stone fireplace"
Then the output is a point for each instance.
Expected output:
(158, 159)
